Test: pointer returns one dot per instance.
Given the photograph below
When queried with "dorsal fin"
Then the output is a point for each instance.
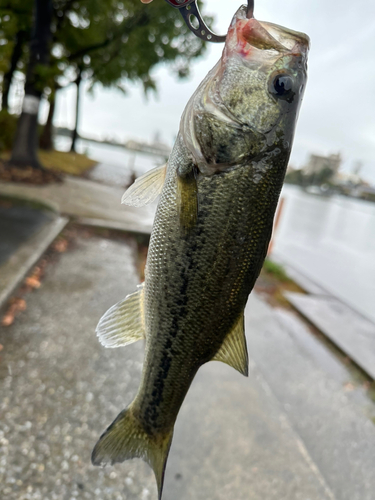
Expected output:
(146, 188)
(123, 323)
(233, 351)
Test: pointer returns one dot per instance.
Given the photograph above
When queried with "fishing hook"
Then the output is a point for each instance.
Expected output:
(190, 12)
(250, 9)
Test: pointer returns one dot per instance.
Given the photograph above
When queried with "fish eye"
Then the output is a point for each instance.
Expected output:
(281, 87)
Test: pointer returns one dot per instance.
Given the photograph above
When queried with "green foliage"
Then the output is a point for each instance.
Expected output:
(15, 16)
(107, 42)
(323, 176)
(8, 125)
(298, 177)
(112, 41)
(295, 177)
(276, 270)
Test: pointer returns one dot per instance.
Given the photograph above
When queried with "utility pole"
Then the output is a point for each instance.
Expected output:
(25, 146)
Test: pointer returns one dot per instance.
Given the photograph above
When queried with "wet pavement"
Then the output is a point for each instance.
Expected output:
(57, 389)
(17, 225)
(290, 431)
(352, 333)
(25, 234)
(93, 202)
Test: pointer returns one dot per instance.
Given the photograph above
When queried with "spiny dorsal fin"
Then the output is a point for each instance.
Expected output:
(123, 323)
(146, 188)
(233, 351)
(187, 200)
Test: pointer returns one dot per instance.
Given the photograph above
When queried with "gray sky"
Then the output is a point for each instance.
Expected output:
(338, 112)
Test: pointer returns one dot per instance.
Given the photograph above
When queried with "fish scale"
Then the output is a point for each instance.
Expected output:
(216, 293)
(219, 193)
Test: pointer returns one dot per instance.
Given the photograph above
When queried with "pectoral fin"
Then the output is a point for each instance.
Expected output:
(123, 323)
(187, 200)
(233, 351)
(146, 188)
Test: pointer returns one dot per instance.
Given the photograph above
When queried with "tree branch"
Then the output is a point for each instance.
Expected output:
(138, 20)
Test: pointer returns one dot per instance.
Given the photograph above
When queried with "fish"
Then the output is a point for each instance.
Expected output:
(218, 195)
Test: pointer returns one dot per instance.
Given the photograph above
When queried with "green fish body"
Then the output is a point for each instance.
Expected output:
(211, 233)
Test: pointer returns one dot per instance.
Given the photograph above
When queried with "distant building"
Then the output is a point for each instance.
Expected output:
(318, 163)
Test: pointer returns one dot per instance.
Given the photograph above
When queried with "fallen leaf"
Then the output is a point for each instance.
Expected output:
(33, 282)
(8, 319)
(60, 245)
(20, 304)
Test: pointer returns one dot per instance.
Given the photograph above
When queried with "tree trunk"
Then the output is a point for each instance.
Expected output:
(75, 131)
(46, 139)
(26, 141)
(21, 39)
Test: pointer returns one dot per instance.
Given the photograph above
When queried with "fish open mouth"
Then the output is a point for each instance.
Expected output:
(293, 41)
(248, 34)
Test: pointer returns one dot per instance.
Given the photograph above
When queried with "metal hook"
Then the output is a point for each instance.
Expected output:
(189, 10)
(250, 9)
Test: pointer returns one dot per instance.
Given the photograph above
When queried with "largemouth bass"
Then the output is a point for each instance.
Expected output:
(212, 228)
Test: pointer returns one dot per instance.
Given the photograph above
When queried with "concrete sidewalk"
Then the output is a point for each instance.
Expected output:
(25, 234)
(290, 431)
(346, 327)
(88, 202)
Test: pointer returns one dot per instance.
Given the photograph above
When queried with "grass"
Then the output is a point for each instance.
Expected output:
(276, 270)
(67, 163)
(61, 162)
(8, 201)
(273, 282)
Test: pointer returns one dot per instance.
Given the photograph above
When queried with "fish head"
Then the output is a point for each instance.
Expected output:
(251, 99)
(263, 72)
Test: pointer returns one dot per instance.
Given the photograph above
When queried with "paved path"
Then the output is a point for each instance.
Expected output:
(289, 431)
(17, 225)
(25, 234)
(91, 202)
(98, 204)
(351, 332)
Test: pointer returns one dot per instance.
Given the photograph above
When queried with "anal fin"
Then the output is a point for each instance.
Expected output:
(123, 323)
(233, 351)
(146, 188)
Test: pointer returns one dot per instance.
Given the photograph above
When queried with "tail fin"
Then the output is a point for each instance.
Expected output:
(125, 438)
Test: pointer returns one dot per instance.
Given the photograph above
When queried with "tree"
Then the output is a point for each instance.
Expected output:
(24, 151)
(16, 21)
(112, 42)
(105, 42)
(295, 177)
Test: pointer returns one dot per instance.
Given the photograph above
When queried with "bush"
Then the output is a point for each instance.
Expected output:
(8, 125)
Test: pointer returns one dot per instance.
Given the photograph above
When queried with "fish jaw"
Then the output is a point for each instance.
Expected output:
(250, 38)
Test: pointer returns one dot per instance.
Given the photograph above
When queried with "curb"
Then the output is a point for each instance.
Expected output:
(18, 265)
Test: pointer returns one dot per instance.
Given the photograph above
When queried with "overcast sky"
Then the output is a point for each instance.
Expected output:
(338, 112)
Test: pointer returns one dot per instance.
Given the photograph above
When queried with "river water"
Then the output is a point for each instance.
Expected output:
(116, 165)
(331, 240)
